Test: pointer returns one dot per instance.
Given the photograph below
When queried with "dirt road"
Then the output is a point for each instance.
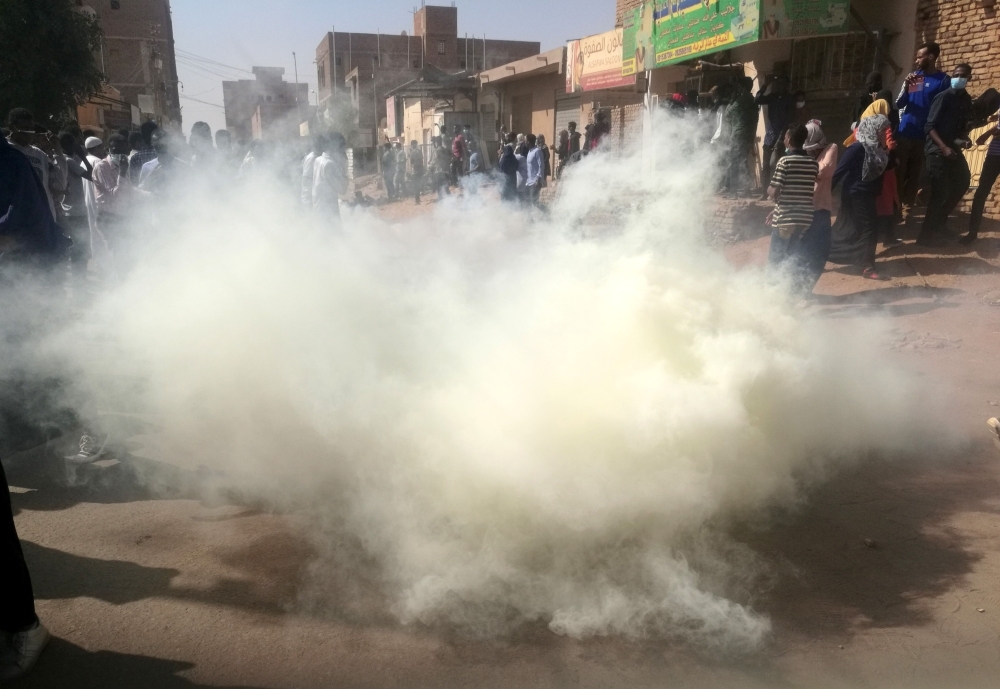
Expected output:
(888, 577)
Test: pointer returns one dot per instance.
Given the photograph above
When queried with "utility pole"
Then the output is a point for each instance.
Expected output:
(298, 107)
(333, 60)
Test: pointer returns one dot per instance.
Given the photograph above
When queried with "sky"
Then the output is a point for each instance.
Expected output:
(220, 40)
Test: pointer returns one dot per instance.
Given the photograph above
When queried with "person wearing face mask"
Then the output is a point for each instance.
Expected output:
(947, 134)
(920, 89)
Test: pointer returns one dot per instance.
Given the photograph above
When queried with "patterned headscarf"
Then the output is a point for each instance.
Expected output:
(816, 139)
(869, 135)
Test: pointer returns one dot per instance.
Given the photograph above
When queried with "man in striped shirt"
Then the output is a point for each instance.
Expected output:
(792, 187)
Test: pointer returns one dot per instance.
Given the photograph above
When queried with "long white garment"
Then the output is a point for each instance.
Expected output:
(100, 252)
(307, 178)
(329, 182)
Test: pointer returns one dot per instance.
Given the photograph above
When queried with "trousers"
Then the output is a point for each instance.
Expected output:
(987, 178)
(949, 180)
(17, 604)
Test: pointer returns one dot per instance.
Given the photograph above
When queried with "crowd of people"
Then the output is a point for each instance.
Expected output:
(900, 146)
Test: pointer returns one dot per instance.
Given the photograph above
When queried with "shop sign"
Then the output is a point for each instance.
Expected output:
(665, 32)
(595, 63)
(795, 18)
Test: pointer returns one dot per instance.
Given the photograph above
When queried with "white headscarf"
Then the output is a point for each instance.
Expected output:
(869, 135)
(816, 139)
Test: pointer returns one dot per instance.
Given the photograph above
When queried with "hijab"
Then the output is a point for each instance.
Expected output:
(869, 135)
(816, 139)
(878, 107)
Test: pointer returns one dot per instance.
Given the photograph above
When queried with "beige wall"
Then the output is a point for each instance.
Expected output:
(543, 90)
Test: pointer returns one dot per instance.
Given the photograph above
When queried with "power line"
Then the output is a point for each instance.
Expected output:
(200, 58)
(203, 102)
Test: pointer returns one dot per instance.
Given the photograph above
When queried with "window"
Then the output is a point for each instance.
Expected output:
(440, 47)
(339, 61)
(321, 75)
(116, 4)
(462, 64)
(416, 64)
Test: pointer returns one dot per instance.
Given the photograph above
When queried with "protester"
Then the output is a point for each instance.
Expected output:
(741, 126)
(113, 191)
(947, 169)
(780, 112)
(159, 174)
(600, 129)
(792, 188)
(28, 229)
(888, 198)
(399, 179)
(204, 156)
(534, 171)
(814, 247)
(442, 167)
(873, 84)
(546, 159)
(316, 145)
(416, 158)
(78, 217)
(919, 90)
(22, 136)
(860, 171)
(574, 138)
(389, 170)
(458, 146)
(987, 178)
(562, 152)
(476, 166)
(135, 142)
(521, 154)
(330, 180)
(138, 158)
(508, 165)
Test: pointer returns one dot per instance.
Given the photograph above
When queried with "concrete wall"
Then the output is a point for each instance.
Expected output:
(512, 98)
(268, 91)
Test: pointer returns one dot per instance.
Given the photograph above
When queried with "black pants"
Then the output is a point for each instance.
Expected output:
(991, 170)
(456, 170)
(949, 180)
(769, 160)
(17, 602)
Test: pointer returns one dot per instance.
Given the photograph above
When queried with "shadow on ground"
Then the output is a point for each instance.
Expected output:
(66, 665)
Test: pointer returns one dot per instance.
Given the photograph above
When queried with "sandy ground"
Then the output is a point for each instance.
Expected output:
(142, 590)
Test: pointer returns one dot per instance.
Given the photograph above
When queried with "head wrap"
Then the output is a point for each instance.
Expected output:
(878, 107)
(816, 138)
(869, 135)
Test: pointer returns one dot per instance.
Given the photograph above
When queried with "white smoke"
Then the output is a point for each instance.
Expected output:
(519, 417)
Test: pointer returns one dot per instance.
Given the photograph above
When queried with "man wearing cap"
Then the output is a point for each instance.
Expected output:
(22, 135)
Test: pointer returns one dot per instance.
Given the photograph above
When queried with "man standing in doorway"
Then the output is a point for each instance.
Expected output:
(919, 91)
(947, 134)
(574, 140)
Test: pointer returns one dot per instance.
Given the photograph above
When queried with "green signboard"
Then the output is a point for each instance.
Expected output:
(795, 18)
(664, 32)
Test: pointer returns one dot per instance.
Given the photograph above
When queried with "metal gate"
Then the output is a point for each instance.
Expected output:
(567, 110)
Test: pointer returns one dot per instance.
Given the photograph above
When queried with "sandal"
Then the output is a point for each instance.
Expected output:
(870, 274)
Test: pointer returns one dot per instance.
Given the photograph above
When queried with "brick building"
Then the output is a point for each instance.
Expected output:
(359, 69)
(266, 106)
(137, 54)
(967, 31)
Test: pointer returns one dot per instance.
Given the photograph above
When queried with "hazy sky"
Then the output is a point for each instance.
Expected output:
(239, 34)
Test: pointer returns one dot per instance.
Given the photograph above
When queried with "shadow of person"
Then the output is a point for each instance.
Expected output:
(64, 664)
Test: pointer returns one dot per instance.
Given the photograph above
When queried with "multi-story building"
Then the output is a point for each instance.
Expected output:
(357, 70)
(266, 106)
(137, 54)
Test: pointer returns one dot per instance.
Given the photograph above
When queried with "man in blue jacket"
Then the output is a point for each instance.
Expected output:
(919, 91)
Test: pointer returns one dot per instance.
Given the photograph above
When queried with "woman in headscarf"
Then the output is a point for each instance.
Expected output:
(861, 171)
(814, 247)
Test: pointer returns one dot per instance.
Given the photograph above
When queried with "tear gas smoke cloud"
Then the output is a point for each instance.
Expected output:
(517, 417)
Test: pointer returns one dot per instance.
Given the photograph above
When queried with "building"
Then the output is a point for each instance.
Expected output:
(137, 55)
(266, 106)
(356, 71)
(107, 112)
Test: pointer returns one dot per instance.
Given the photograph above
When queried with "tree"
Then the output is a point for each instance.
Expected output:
(47, 62)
